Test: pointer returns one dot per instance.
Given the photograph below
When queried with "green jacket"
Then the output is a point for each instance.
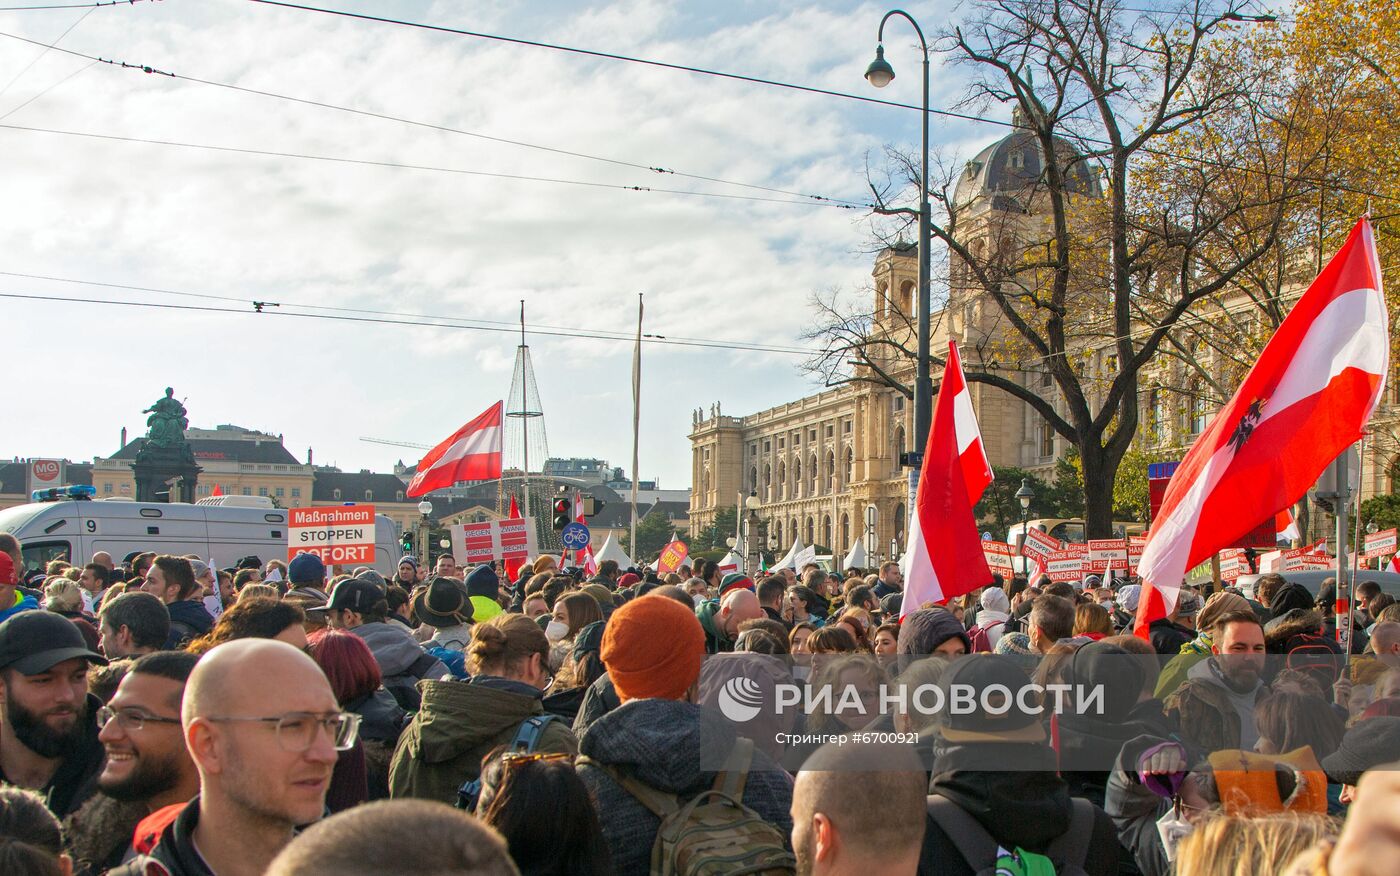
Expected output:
(716, 640)
(1174, 673)
(457, 726)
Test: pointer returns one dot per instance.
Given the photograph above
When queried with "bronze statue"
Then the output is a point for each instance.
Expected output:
(167, 421)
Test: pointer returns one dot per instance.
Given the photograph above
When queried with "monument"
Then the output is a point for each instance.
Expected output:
(164, 467)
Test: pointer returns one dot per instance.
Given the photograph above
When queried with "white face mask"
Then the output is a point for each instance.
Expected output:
(556, 630)
(697, 598)
(1108, 604)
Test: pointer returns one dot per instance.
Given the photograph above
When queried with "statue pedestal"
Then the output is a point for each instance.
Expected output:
(154, 468)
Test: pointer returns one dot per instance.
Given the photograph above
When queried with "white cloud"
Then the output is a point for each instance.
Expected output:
(411, 241)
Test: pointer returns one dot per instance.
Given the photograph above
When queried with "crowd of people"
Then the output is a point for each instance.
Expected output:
(160, 716)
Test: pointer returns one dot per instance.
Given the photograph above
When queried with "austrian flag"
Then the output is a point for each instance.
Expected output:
(472, 453)
(1305, 401)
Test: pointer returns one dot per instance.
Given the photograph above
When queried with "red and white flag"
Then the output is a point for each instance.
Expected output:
(1286, 525)
(945, 558)
(1305, 401)
(472, 453)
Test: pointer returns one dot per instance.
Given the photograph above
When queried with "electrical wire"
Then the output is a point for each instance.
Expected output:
(627, 335)
(273, 308)
(404, 166)
(45, 51)
(99, 5)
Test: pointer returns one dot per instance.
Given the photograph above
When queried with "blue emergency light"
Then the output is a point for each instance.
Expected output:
(56, 494)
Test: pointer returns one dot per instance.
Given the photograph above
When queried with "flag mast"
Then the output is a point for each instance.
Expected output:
(636, 420)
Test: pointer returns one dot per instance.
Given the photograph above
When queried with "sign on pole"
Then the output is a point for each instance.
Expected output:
(998, 554)
(1379, 544)
(1038, 544)
(575, 536)
(1068, 564)
(45, 473)
(506, 540)
(338, 534)
(1106, 553)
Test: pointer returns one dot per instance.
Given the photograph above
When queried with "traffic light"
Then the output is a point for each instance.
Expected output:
(562, 513)
(407, 544)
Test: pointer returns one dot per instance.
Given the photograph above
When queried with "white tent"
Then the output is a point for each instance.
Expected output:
(732, 562)
(787, 561)
(611, 551)
(856, 558)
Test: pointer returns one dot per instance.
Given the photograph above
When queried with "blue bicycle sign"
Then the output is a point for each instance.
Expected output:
(576, 536)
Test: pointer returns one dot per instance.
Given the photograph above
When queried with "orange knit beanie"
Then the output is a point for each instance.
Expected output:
(653, 647)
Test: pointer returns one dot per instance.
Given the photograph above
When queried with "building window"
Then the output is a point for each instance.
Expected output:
(811, 532)
(398, 497)
(107, 489)
(850, 465)
(335, 494)
(812, 435)
(1046, 379)
(846, 427)
(767, 446)
(296, 492)
(280, 492)
(898, 441)
(369, 495)
(1047, 439)
(247, 491)
(1195, 409)
(262, 491)
(830, 430)
(1154, 416)
(898, 402)
(845, 533)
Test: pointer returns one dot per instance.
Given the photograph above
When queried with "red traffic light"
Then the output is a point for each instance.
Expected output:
(561, 506)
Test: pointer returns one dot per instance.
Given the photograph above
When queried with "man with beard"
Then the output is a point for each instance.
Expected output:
(148, 766)
(1215, 705)
(264, 753)
(48, 735)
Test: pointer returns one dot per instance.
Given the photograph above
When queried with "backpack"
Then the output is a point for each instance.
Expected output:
(981, 642)
(979, 849)
(713, 833)
(527, 739)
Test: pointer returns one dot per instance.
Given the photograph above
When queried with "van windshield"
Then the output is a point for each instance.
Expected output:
(13, 519)
(37, 555)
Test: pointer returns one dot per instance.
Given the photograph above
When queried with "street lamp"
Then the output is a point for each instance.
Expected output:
(1024, 496)
(755, 533)
(872, 515)
(425, 508)
(880, 74)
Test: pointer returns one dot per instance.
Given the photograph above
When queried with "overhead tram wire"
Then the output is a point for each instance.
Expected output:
(650, 62)
(259, 307)
(367, 162)
(447, 129)
(103, 4)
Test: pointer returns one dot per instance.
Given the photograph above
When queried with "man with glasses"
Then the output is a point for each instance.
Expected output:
(264, 753)
(148, 767)
(48, 735)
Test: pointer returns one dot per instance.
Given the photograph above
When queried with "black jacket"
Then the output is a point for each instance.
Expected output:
(189, 619)
(174, 854)
(1012, 791)
(75, 780)
(1167, 637)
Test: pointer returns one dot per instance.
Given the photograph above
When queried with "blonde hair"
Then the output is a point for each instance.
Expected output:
(1090, 617)
(1226, 845)
(61, 594)
(258, 591)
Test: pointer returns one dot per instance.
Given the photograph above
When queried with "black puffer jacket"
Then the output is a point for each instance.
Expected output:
(664, 744)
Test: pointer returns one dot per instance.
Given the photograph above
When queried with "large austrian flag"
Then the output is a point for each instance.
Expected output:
(1305, 401)
(945, 557)
(472, 453)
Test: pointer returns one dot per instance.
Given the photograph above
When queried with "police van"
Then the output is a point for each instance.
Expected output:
(67, 523)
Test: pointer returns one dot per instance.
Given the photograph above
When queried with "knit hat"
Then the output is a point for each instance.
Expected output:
(1367, 745)
(483, 581)
(924, 630)
(601, 594)
(735, 581)
(1128, 597)
(995, 599)
(410, 559)
(306, 569)
(7, 570)
(627, 580)
(1219, 604)
(653, 648)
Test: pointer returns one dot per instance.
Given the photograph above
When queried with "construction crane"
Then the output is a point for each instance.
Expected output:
(412, 444)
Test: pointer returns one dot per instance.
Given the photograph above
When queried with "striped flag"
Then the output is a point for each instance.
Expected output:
(1305, 401)
(944, 557)
(472, 453)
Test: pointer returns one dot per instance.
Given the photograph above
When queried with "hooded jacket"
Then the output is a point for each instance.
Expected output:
(1174, 673)
(458, 725)
(1212, 716)
(1135, 809)
(22, 602)
(717, 641)
(189, 619)
(663, 744)
(1167, 636)
(923, 630)
(99, 833)
(1288, 597)
(1012, 791)
(402, 661)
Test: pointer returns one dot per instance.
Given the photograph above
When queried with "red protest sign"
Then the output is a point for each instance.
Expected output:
(1379, 544)
(338, 534)
(998, 554)
(672, 557)
(1038, 544)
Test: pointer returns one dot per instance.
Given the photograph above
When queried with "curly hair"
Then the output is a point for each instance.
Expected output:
(258, 618)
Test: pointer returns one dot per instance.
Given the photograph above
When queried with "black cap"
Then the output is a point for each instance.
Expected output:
(354, 594)
(974, 674)
(32, 642)
(443, 603)
(1367, 745)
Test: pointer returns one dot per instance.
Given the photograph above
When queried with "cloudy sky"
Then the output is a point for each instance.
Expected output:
(430, 241)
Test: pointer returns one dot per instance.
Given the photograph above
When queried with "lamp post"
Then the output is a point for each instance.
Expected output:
(880, 74)
(872, 515)
(755, 534)
(1024, 496)
(425, 508)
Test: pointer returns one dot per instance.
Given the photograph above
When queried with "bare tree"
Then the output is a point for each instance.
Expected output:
(1094, 247)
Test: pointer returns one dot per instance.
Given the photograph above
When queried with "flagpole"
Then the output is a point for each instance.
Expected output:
(524, 423)
(1355, 545)
(636, 419)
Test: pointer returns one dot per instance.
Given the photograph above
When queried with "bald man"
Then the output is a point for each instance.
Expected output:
(264, 752)
(846, 814)
(1385, 642)
(721, 618)
(104, 559)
